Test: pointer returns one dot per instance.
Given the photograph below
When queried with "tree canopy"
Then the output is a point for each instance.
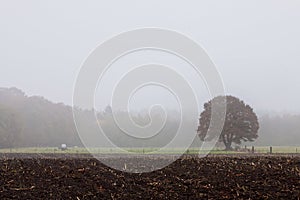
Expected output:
(241, 123)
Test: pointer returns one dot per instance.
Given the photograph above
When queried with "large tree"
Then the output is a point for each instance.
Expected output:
(241, 123)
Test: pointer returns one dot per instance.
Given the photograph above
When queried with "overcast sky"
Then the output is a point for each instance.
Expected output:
(255, 44)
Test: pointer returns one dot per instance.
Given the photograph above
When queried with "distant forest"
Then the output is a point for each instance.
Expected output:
(36, 122)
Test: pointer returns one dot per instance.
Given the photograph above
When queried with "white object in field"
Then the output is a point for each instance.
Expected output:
(63, 147)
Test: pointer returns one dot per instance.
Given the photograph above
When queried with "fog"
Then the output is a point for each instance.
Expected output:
(254, 44)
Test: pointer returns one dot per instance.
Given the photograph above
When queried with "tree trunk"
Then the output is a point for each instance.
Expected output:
(228, 147)
(227, 140)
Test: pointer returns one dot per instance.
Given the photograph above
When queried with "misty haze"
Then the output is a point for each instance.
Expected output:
(150, 109)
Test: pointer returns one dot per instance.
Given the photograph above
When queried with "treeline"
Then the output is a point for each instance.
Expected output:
(36, 122)
(279, 130)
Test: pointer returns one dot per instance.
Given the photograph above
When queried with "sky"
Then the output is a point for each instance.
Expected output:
(254, 44)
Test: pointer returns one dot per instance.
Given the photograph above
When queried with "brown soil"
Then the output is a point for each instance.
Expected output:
(220, 177)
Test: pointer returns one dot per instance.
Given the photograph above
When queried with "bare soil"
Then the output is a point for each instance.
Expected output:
(59, 176)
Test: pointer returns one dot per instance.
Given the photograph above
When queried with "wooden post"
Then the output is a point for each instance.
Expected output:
(252, 150)
(271, 150)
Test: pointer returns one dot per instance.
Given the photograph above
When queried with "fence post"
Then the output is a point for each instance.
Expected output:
(271, 150)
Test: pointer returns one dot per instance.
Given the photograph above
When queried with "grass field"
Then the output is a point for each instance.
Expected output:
(77, 150)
